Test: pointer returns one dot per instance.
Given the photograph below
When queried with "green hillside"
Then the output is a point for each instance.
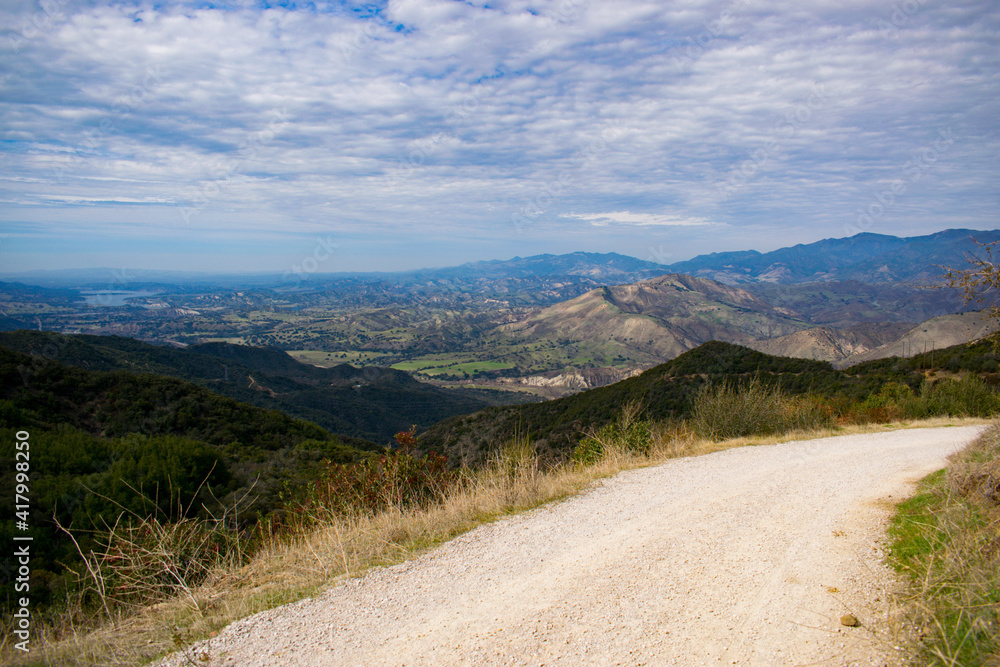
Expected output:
(104, 442)
(369, 403)
(666, 392)
(982, 357)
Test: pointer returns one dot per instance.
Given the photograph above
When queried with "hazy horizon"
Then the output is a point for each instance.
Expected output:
(118, 278)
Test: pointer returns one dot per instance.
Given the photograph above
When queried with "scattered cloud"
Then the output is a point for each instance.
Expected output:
(430, 123)
(627, 218)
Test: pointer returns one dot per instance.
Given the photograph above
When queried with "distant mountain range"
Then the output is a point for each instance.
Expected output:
(866, 257)
(607, 268)
(835, 300)
(508, 275)
(578, 319)
(870, 258)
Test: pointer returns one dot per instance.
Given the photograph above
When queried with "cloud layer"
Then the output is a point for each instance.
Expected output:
(422, 132)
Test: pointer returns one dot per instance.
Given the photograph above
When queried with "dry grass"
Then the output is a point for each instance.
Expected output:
(947, 538)
(286, 569)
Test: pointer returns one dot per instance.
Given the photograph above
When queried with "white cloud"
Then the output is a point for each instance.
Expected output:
(627, 218)
(426, 117)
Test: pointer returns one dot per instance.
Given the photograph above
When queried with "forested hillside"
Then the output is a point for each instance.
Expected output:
(370, 403)
(106, 442)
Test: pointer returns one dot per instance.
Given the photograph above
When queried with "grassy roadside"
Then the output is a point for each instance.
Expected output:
(286, 570)
(947, 539)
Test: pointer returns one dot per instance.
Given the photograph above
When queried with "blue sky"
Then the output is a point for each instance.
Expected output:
(253, 136)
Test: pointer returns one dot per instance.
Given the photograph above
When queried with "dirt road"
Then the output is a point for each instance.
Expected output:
(744, 557)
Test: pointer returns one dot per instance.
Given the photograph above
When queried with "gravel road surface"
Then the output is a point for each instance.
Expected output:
(749, 556)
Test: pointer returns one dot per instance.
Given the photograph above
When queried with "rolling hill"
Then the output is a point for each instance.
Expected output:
(369, 403)
(852, 302)
(103, 443)
(825, 343)
(665, 392)
(641, 324)
(656, 319)
(934, 334)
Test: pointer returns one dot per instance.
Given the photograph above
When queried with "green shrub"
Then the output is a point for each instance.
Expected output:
(891, 394)
(730, 411)
(627, 434)
(967, 397)
(887, 405)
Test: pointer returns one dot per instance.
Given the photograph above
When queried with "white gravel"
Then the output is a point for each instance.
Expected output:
(744, 557)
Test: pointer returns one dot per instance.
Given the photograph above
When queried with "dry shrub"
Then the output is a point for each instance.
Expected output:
(975, 473)
(392, 480)
(141, 561)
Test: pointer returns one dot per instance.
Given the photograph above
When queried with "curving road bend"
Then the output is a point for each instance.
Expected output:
(744, 557)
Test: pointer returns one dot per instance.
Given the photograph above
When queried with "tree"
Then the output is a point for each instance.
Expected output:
(980, 282)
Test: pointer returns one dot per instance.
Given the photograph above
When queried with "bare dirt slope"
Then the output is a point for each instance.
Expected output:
(658, 319)
(936, 333)
(830, 344)
(747, 557)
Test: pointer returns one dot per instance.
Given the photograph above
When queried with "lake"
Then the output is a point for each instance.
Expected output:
(112, 297)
